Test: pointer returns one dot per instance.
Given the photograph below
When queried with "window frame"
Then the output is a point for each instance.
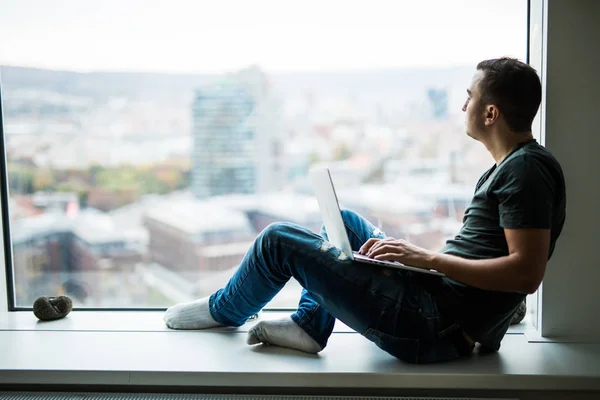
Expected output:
(7, 279)
(6, 276)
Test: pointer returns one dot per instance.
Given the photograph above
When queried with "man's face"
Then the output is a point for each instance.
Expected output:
(474, 109)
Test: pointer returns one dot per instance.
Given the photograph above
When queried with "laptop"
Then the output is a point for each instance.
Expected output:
(334, 224)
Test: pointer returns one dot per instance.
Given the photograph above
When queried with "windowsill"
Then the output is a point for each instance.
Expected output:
(141, 321)
(135, 348)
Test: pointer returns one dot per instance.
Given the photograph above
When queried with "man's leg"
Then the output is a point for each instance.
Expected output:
(284, 250)
(310, 315)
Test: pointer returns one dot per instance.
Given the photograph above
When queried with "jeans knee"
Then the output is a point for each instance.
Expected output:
(274, 229)
(276, 232)
(349, 215)
(286, 234)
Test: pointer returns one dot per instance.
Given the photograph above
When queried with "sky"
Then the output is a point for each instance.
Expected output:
(195, 36)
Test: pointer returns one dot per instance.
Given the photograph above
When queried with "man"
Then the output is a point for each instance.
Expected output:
(500, 254)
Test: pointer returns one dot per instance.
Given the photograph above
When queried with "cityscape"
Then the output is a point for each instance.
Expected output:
(143, 190)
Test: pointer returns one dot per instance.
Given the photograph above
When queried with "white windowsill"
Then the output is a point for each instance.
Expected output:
(136, 321)
(134, 348)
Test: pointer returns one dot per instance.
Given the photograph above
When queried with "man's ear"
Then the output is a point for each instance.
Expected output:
(492, 113)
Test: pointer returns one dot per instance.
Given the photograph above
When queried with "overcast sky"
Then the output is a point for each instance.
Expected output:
(278, 35)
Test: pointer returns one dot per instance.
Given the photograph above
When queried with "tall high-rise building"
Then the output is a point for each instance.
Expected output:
(236, 136)
(438, 99)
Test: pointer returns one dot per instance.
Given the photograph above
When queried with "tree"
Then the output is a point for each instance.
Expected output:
(341, 152)
(20, 178)
(74, 186)
(43, 179)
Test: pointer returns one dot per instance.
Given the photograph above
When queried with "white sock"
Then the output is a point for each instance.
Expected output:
(284, 333)
(192, 315)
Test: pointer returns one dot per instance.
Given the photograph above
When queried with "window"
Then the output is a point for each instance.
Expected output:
(148, 143)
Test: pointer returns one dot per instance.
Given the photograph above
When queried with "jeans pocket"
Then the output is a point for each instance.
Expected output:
(401, 348)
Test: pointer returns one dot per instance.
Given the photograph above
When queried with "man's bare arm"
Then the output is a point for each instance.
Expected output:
(522, 270)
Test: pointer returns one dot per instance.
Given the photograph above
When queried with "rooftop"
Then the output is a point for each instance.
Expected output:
(194, 217)
(96, 227)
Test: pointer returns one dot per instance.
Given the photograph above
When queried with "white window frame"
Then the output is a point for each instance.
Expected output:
(4, 269)
(568, 125)
(4, 303)
(550, 323)
(536, 58)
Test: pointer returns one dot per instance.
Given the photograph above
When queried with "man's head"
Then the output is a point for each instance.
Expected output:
(504, 93)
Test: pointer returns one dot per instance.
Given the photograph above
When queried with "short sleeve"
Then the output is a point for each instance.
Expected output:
(525, 195)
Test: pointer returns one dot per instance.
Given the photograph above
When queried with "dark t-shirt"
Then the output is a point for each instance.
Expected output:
(527, 190)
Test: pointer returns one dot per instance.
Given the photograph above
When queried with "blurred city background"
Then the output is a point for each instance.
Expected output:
(133, 187)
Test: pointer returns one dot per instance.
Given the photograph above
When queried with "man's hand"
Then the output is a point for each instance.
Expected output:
(400, 250)
(520, 271)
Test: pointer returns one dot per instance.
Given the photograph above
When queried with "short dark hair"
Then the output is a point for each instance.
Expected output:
(514, 87)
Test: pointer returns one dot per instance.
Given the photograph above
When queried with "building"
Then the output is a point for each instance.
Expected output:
(286, 207)
(41, 255)
(236, 136)
(55, 200)
(99, 244)
(196, 236)
(196, 245)
(84, 256)
(438, 99)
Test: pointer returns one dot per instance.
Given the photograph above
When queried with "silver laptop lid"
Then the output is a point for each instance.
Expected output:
(330, 210)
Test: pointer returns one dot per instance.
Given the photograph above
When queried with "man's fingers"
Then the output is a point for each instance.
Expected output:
(375, 248)
(367, 245)
(383, 248)
(374, 243)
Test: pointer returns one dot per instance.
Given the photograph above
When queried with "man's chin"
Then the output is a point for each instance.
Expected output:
(471, 135)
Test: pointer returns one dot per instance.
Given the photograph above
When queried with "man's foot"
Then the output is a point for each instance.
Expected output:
(192, 315)
(284, 333)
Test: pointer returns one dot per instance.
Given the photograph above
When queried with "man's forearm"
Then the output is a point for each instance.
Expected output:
(500, 274)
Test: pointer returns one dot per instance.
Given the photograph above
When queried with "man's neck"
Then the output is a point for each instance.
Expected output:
(500, 145)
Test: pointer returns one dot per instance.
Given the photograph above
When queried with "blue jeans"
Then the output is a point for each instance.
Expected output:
(387, 306)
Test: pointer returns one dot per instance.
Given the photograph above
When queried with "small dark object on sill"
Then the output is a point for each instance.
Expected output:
(51, 308)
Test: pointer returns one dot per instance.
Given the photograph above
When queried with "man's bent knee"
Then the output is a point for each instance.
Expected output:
(348, 215)
(277, 228)
(281, 231)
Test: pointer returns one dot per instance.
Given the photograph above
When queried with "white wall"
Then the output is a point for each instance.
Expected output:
(571, 289)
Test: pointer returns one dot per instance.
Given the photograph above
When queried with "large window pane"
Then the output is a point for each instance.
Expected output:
(149, 142)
